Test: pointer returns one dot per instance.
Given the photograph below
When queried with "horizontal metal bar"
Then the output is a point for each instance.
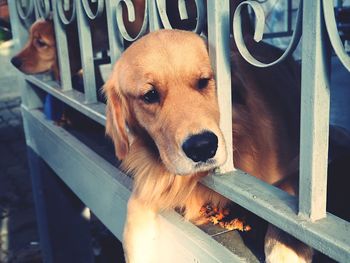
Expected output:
(105, 190)
(330, 235)
(278, 34)
(81, 169)
(73, 98)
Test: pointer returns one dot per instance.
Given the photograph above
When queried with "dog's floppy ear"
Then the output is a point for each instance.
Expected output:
(116, 114)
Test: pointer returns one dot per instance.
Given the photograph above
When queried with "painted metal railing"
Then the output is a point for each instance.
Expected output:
(305, 217)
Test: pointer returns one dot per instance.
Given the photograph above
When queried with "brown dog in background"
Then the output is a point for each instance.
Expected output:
(39, 55)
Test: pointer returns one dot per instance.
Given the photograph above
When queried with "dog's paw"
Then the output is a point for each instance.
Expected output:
(281, 247)
(281, 253)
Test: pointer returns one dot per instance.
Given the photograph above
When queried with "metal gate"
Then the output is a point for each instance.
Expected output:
(105, 190)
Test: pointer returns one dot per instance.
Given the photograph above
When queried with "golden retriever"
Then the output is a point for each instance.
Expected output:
(162, 115)
(176, 139)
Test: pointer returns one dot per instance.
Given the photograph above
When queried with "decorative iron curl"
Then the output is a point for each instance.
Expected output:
(131, 17)
(89, 12)
(24, 15)
(161, 5)
(62, 7)
(259, 31)
(329, 17)
(43, 7)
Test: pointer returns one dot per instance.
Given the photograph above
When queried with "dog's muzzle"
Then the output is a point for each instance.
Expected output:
(201, 147)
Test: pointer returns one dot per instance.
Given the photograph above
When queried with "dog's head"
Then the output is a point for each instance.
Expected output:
(163, 87)
(39, 53)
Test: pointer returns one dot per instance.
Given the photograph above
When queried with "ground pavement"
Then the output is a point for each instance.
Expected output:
(18, 236)
(18, 229)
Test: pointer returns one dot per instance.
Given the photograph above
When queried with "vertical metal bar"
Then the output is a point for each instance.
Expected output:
(36, 12)
(86, 52)
(66, 5)
(289, 17)
(182, 9)
(20, 35)
(62, 50)
(154, 20)
(19, 32)
(219, 51)
(115, 46)
(315, 103)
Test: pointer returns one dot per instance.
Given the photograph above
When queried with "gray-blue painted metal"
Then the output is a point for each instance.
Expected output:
(219, 51)
(43, 8)
(315, 103)
(330, 235)
(259, 30)
(329, 16)
(20, 34)
(62, 46)
(115, 41)
(86, 53)
(154, 20)
(131, 17)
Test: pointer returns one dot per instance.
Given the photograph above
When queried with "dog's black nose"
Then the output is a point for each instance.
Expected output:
(16, 62)
(201, 147)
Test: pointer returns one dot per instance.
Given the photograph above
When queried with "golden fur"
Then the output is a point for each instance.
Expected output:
(148, 136)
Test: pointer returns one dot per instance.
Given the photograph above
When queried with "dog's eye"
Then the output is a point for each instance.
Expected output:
(202, 83)
(151, 96)
(41, 43)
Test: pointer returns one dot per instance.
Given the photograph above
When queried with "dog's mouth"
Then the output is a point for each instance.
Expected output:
(182, 166)
(22, 66)
(209, 164)
(185, 166)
